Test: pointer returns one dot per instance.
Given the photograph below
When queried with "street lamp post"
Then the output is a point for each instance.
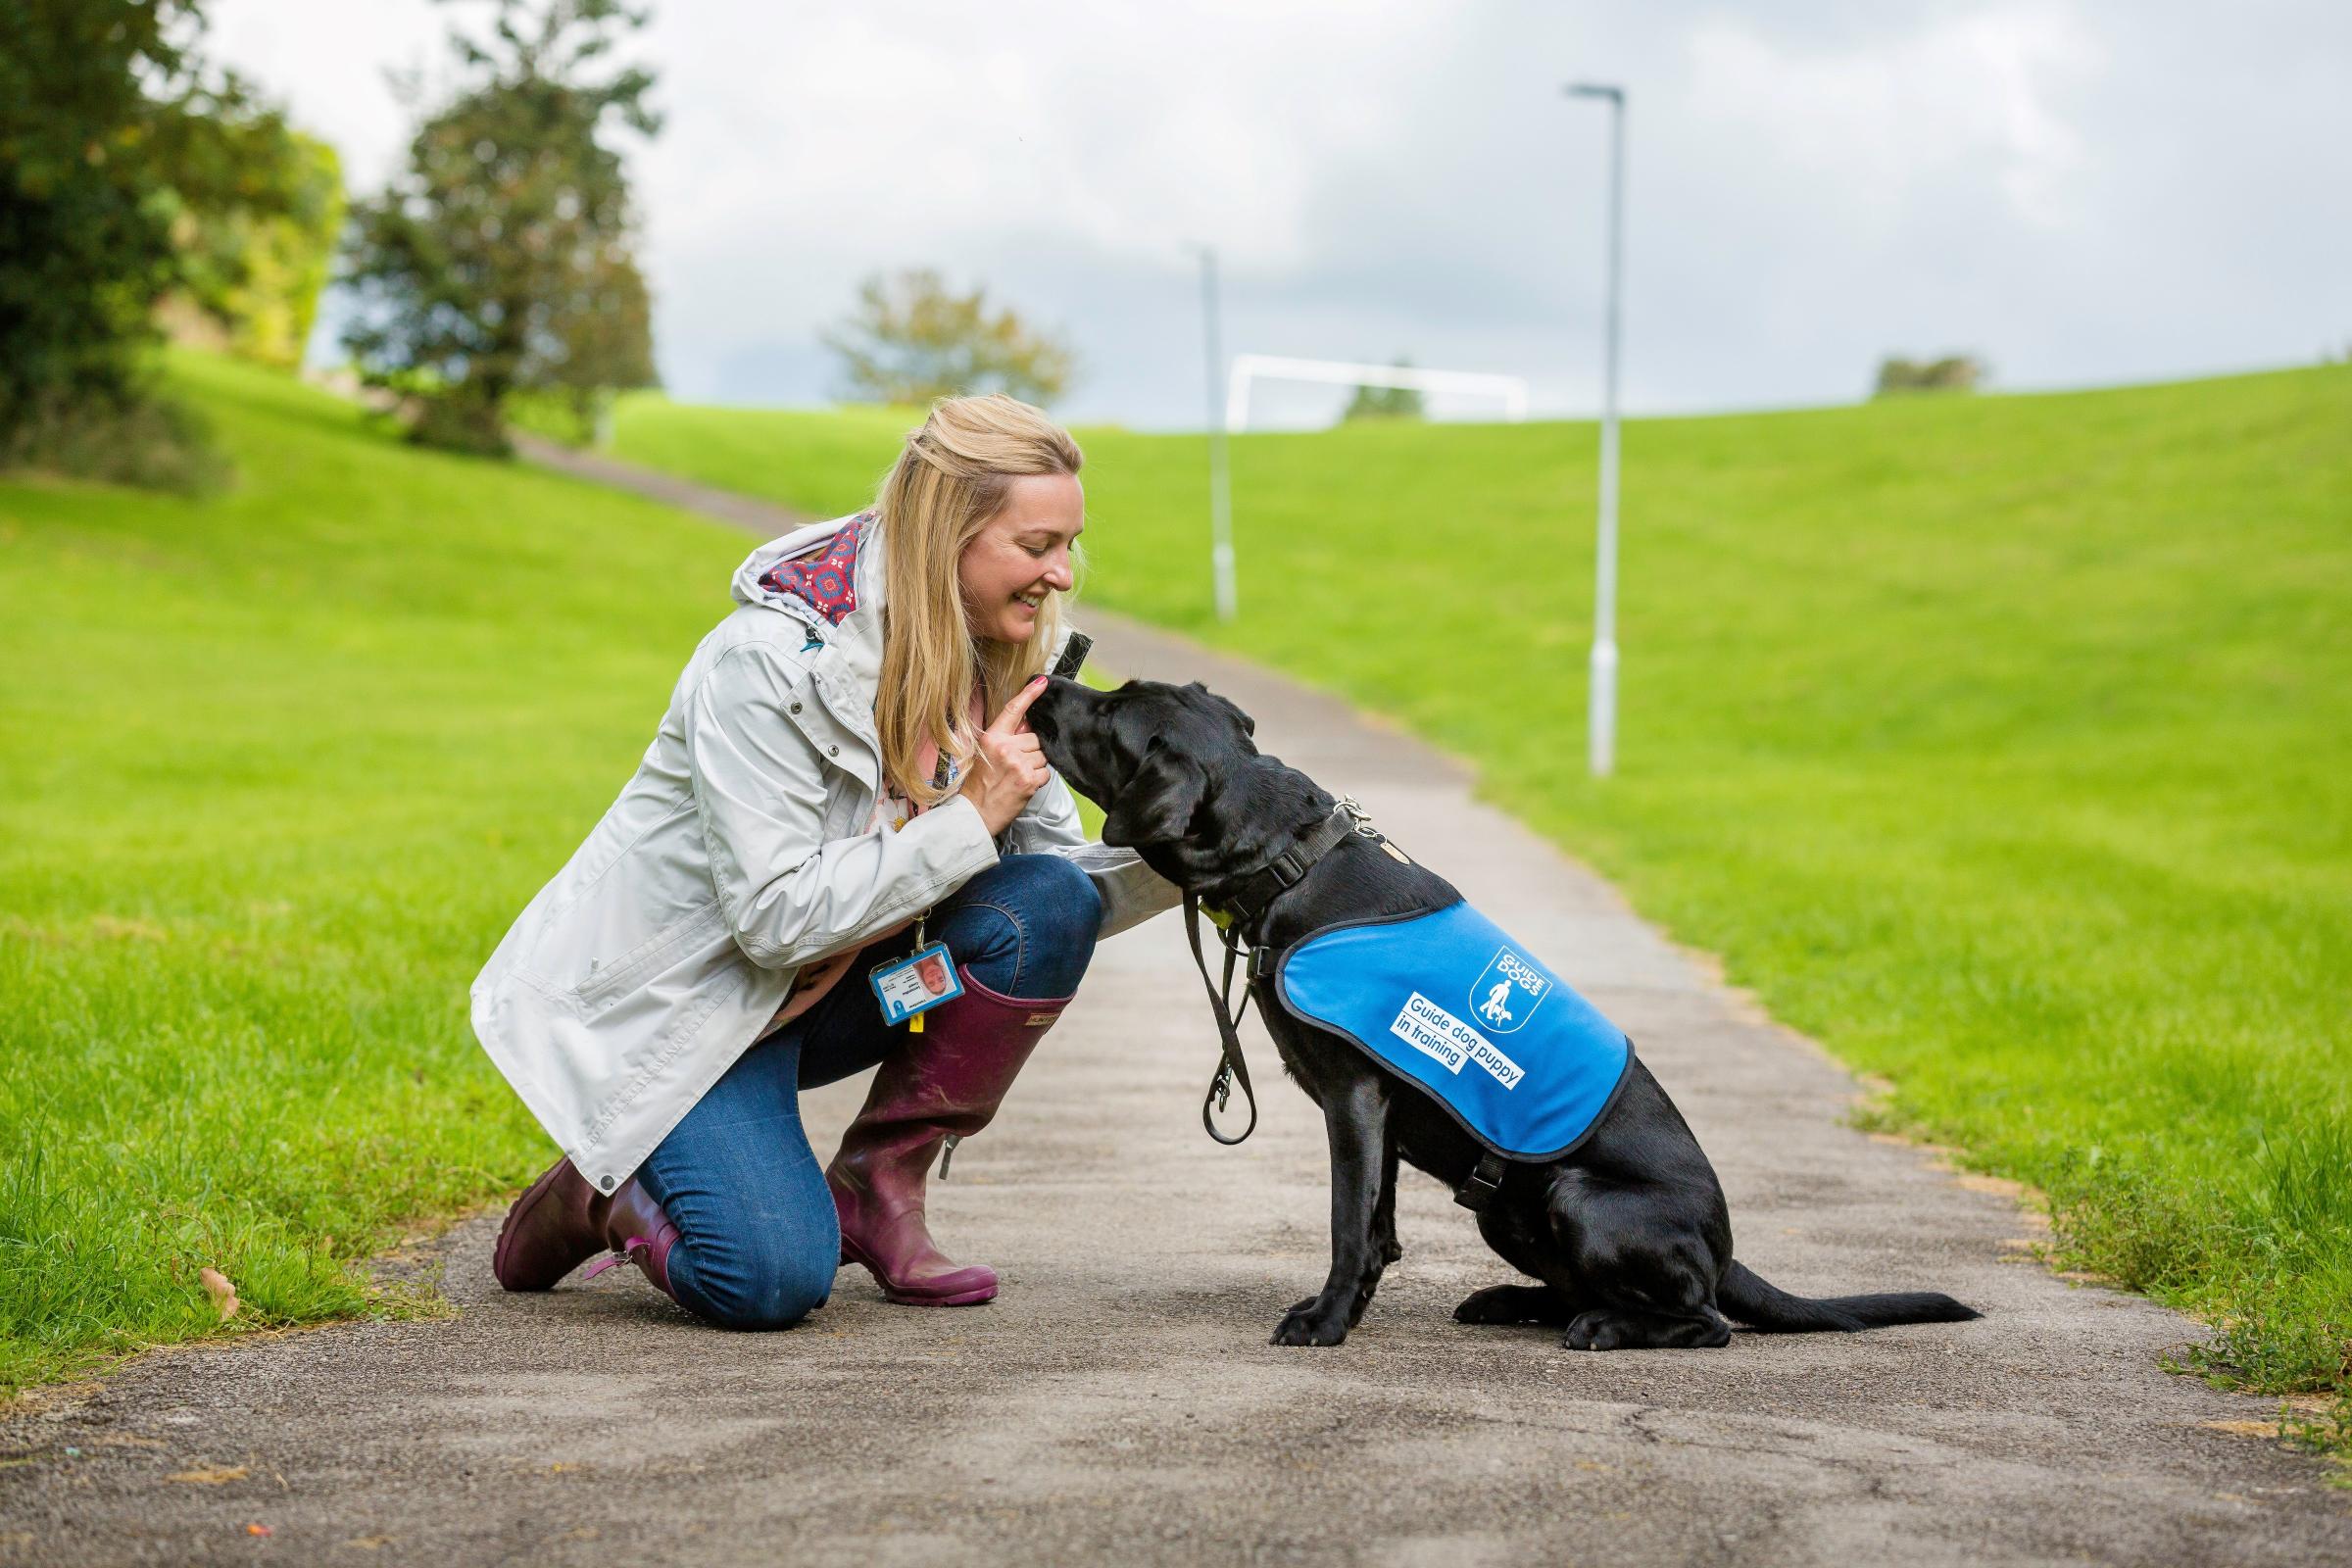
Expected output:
(1603, 709)
(1220, 477)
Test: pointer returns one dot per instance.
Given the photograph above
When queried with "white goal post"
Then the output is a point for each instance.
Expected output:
(1249, 367)
(1252, 368)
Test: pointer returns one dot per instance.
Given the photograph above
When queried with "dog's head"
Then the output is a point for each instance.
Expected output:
(1162, 762)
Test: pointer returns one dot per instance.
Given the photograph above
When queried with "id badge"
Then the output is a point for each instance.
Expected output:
(911, 986)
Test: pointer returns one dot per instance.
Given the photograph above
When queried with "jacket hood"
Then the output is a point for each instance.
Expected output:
(804, 544)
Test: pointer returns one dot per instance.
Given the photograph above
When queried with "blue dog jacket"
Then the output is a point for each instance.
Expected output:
(1447, 999)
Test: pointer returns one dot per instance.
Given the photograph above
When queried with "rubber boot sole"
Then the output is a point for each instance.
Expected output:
(851, 1253)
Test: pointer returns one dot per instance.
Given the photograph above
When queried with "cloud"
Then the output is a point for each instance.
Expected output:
(2080, 189)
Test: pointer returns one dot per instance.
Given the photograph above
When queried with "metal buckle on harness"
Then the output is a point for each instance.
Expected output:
(1484, 1183)
(1220, 1087)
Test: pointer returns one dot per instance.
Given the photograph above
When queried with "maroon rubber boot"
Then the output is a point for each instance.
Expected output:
(561, 1222)
(556, 1225)
(639, 1233)
(944, 1082)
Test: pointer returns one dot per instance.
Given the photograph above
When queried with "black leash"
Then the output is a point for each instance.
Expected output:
(1245, 898)
(1232, 1066)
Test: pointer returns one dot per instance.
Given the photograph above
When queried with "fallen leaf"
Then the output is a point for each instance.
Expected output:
(208, 1478)
(2245, 1429)
(257, 1530)
(223, 1293)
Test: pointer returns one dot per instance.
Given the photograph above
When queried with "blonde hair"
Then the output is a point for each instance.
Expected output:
(949, 481)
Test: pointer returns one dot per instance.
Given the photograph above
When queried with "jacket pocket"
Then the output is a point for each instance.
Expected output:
(608, 981)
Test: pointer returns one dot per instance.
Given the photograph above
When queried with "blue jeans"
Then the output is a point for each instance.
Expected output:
(758, 1241)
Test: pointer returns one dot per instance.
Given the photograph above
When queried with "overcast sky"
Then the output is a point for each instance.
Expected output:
(2081, 193)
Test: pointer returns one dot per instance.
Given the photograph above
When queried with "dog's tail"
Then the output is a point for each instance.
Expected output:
(1771, 1310)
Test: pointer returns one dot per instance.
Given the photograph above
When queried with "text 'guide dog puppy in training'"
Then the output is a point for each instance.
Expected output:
(1428, 1034)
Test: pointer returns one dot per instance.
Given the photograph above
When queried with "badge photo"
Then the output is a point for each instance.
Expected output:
(917, 983)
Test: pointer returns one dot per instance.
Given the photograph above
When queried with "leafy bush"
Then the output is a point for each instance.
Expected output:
(1385, 402)
(1954, 373)
(114, 139)
(259, 275)
(148, 441)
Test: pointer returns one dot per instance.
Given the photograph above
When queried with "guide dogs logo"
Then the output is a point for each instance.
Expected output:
(1507, 994)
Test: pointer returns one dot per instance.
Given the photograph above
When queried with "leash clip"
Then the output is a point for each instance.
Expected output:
(1220, 1094)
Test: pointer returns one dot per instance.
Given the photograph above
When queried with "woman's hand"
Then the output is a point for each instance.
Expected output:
(1008, 763)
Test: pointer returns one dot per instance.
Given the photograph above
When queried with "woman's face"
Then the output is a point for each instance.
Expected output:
(1022, 553)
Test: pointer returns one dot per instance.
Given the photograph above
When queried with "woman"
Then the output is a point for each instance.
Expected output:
(822, 803)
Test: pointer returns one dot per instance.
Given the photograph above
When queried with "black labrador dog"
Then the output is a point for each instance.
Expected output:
(1628, 1233)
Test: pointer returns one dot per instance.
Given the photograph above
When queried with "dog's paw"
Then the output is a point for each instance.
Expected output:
(1508, 1303)
(1594, 1331)
(1304, 1325)
(1390, 1250)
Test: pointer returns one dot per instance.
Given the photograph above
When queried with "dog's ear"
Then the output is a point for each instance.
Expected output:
(1248, 724)
(1157, 803)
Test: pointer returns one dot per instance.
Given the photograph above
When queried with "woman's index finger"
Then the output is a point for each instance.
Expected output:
(1015, 716)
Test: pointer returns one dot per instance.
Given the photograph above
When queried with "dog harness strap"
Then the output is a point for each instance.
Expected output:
(1232, 1067)
(1476, 1192)
(1250, 892)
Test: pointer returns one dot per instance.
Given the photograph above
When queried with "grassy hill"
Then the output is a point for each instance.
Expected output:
(275, 770)
(2003, 743)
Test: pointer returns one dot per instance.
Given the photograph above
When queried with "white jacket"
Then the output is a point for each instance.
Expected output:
(739, 852)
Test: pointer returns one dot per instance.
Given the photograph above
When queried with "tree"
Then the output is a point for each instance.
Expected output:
(501, 260)
(257, 276)
(1954, 373)
(114, 139)
(1386, 402)
(912, 339)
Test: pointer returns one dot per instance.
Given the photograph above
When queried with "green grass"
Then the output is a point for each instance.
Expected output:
(276, 769)
(2002, 744)
(2005, 744)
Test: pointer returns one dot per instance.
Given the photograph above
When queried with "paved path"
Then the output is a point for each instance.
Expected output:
(1119, 1403)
